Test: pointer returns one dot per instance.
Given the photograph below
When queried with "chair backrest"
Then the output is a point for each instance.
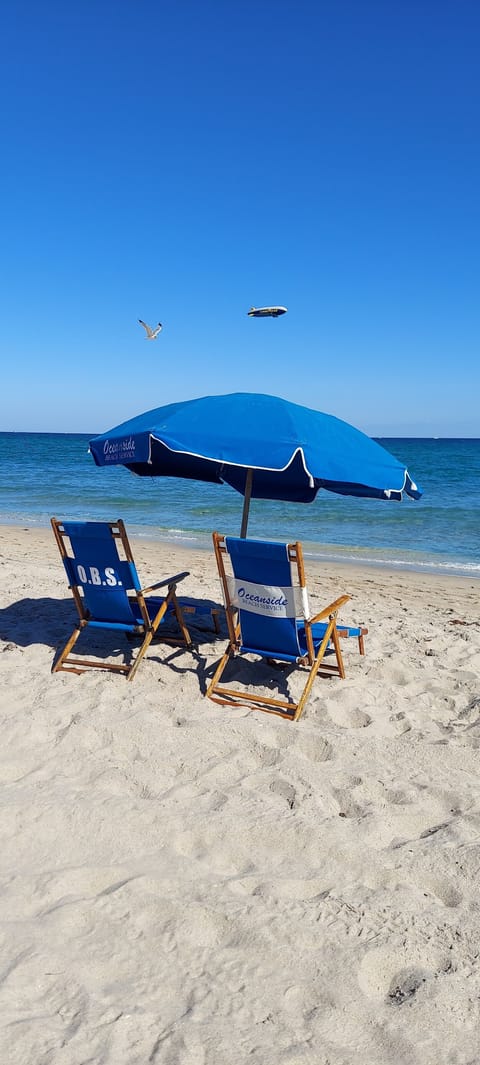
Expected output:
(263, 592)
(99, 578)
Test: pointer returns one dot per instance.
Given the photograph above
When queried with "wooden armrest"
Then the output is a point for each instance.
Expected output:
(344, 630)
(168, 582)
(332, 608)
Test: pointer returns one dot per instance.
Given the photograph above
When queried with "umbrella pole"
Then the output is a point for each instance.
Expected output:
(246, 504)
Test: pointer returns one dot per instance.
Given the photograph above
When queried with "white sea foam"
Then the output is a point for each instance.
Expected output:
(469, 569)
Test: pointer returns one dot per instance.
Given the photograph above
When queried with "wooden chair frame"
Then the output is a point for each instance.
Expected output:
(314, 662)
(148, 628)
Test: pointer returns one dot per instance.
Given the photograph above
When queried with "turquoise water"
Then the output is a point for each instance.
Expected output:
(47, 474)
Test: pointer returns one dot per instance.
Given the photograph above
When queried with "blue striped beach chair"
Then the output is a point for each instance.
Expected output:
(268, 615)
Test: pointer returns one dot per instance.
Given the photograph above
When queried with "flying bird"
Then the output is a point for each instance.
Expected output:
(266, 312)
(151, 333)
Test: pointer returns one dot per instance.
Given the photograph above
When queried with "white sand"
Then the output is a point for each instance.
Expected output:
(186, 883)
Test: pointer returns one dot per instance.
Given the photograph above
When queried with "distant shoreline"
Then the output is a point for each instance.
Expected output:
(363, 567)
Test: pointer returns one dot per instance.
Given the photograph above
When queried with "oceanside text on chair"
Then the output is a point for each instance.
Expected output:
(268, 615)
(104, 583)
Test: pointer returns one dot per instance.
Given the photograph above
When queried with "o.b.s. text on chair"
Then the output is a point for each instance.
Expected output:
(104, 582)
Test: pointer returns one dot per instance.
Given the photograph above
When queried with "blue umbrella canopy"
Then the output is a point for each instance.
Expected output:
(263, 446)
(292, 450)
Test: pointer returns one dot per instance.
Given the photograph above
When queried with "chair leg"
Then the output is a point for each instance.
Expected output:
(226, 697)
(57, 666)
(330, 634)
(150, 634)
(292, 711)
(338, 653)
(140, 654)
(210, 692)
(307, 689)
(181, 622)
(128, 671)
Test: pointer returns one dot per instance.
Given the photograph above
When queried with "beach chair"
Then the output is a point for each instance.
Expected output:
(267, 611)
(104, 583)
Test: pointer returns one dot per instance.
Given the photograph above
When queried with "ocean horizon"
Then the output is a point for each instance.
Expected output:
(53, 474)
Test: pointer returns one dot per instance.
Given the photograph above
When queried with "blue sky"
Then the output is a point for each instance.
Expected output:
(183, 161)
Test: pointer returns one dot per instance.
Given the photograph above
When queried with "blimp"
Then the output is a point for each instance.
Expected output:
(266, 312)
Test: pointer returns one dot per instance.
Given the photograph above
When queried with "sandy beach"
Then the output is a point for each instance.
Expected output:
(188, 884)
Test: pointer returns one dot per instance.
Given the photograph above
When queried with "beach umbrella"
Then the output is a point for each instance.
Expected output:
(263, 446)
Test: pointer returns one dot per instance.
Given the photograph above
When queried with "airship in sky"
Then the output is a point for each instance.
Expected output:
(266, 312)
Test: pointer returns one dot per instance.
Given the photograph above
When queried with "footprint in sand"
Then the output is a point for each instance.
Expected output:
(398, 724)
(316, 748)
(382, 975)
(349, 717)
(284, 790)
(346, 803)
(444, 891)
(405, 984)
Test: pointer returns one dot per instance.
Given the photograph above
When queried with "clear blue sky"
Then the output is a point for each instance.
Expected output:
(182, 161)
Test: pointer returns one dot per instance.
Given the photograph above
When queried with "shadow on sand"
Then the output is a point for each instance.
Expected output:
(50, 622)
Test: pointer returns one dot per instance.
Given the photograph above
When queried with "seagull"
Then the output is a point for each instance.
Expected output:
(151, 333)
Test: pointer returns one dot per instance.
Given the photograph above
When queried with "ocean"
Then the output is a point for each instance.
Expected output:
(52, 474)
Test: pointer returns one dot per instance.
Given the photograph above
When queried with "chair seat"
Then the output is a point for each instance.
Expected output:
(318, 632)
(188, 605)
(153, 604)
